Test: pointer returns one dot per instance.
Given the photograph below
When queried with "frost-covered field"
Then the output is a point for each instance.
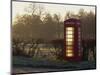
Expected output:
(24, 65)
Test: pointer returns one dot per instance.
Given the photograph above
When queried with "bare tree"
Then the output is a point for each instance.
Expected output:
(57, 21)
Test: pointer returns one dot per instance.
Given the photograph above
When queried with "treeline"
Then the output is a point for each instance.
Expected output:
(43, 25)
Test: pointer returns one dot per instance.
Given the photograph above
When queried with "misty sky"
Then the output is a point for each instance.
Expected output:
(18, 8)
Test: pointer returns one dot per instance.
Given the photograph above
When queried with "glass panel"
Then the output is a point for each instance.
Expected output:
(79, 36)
(69, 51)
(79, 39)
(78, 29)
(69, 39)
(69, 36)
(69, 43)
(69, 32)
(69, 54)
(79, 43)
(70, 28)
(79, 33)
(69, 48)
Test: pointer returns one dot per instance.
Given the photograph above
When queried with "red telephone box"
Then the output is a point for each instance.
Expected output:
(72, 40)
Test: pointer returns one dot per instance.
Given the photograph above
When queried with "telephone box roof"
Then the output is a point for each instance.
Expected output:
(72, 21)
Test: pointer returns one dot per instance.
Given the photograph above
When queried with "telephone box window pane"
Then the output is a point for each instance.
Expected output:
(69, 32)
(79, 39)
(69, 39)
(70, 28)
(69, 54)
(79, 33)
(69, 36)
(69, 51)
(69, 48)
(79, 29)
(69, 43)
(79, 36)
